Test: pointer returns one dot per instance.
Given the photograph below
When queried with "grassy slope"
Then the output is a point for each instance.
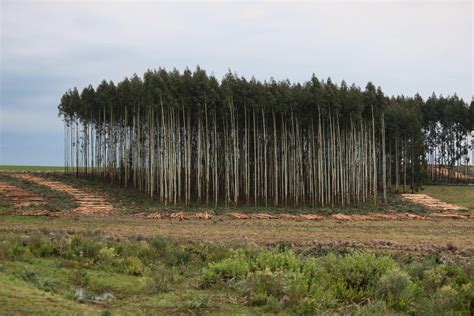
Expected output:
(458, 194)
(18, 297)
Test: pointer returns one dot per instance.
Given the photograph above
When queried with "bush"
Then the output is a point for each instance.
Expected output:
(84, 247)
(448, 299)
(224, 271)
(107, 258)
(280, 261)
(257, 287)
(394, 287)
(353, 278)
(133, 266)
(79, 278)
(198, 302)
(161, 280)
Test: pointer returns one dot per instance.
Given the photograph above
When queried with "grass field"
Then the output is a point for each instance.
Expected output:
(457, 194)
(121, 263)
(86, 273)
(31, 168)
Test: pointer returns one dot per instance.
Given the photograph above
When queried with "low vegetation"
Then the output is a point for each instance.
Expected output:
(55, 200)
(88, 272)
(31, 168)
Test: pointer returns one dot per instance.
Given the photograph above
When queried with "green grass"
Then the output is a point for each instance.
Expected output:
(47, 273)
(457, 194)
(19, 297)
(30, 168)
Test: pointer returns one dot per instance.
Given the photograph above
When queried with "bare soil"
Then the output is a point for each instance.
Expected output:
(431, 202)
(20, 197)
(88, 203)
(453, 174)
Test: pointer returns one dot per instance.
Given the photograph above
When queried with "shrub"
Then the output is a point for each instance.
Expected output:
(277, 261)
(133, 266)
(40, 246)
(214, 252)
(107, 258)
(260, 285)
(79, 278)
(161, 280)
(20, 252)
(447, 299)
(84, 247)
(393, 287)
(198, 302)
(351, 278)
(225, 270)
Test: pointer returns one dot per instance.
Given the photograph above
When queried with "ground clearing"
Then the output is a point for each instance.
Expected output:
(18, 196)
(88, 203)
(458, 194)
(432, 203)
(411, 236)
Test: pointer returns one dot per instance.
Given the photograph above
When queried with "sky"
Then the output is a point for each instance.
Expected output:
(48, 47)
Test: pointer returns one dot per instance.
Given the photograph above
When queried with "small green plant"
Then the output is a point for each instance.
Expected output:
(161, 280)
(198, 302)
(133, 266)
(224, 271)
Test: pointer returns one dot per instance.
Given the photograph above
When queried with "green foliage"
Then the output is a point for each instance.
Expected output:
(394, 287)
(198, 302)
(279, 280)
(133, 266)
(162, 280)
(224, 271)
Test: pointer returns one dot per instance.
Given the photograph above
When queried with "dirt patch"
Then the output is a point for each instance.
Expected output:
(178, 215)
(451, 173)
(20, 197)
(387, 235)
(40, 213)
(88, 203)
(431, 202)
(311, 217)
(451, 215)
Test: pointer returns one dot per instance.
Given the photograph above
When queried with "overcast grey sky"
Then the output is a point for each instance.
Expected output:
(50, 46)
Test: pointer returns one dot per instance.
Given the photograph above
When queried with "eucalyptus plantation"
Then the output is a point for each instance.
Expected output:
(189, 138)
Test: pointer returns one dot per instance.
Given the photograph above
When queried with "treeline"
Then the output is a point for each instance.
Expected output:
(189, 138)
(448, 124)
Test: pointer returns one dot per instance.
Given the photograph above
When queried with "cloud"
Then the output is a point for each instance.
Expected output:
(50, 46)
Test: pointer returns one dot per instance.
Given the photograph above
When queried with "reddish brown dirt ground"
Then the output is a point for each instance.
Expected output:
(452, 174)
(20, 197)
(88, 203)
(311, 217)
(431, 202)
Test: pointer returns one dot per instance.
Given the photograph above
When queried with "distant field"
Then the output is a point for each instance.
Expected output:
(31, 168)
(458, 194)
